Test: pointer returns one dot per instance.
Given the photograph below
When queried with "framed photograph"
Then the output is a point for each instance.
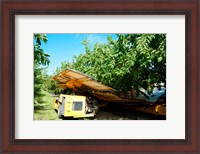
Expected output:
(160, 37)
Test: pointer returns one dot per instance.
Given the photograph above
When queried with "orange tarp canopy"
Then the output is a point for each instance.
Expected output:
(76, 80)
(81, 82)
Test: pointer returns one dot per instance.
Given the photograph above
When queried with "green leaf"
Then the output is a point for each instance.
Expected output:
(160, 59)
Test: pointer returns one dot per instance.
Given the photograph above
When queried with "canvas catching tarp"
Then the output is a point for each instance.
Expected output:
(80, 82)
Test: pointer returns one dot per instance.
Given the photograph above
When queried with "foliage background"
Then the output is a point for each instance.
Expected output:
(133, 61)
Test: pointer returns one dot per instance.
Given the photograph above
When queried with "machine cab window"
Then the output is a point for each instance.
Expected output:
(77, 106)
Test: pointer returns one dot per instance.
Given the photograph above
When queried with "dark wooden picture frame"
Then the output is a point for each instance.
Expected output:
(10, 8)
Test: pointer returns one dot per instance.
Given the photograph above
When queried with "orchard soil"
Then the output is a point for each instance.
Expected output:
(118, 113)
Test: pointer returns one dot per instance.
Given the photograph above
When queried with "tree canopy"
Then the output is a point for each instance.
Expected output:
(40, 59)
(133, 61)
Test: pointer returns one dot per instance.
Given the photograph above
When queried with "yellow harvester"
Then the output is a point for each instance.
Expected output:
(81, 105)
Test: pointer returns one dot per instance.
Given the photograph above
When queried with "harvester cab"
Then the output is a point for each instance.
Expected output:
(75, 106)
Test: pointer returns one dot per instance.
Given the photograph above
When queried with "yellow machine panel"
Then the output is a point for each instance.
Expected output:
(74, 106)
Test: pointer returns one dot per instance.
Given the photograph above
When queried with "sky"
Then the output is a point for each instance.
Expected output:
(62, 47)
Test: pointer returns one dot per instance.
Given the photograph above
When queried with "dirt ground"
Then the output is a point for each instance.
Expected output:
(120, 114)
(105, 115)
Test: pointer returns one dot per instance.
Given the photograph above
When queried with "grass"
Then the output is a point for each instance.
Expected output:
(44, 109)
